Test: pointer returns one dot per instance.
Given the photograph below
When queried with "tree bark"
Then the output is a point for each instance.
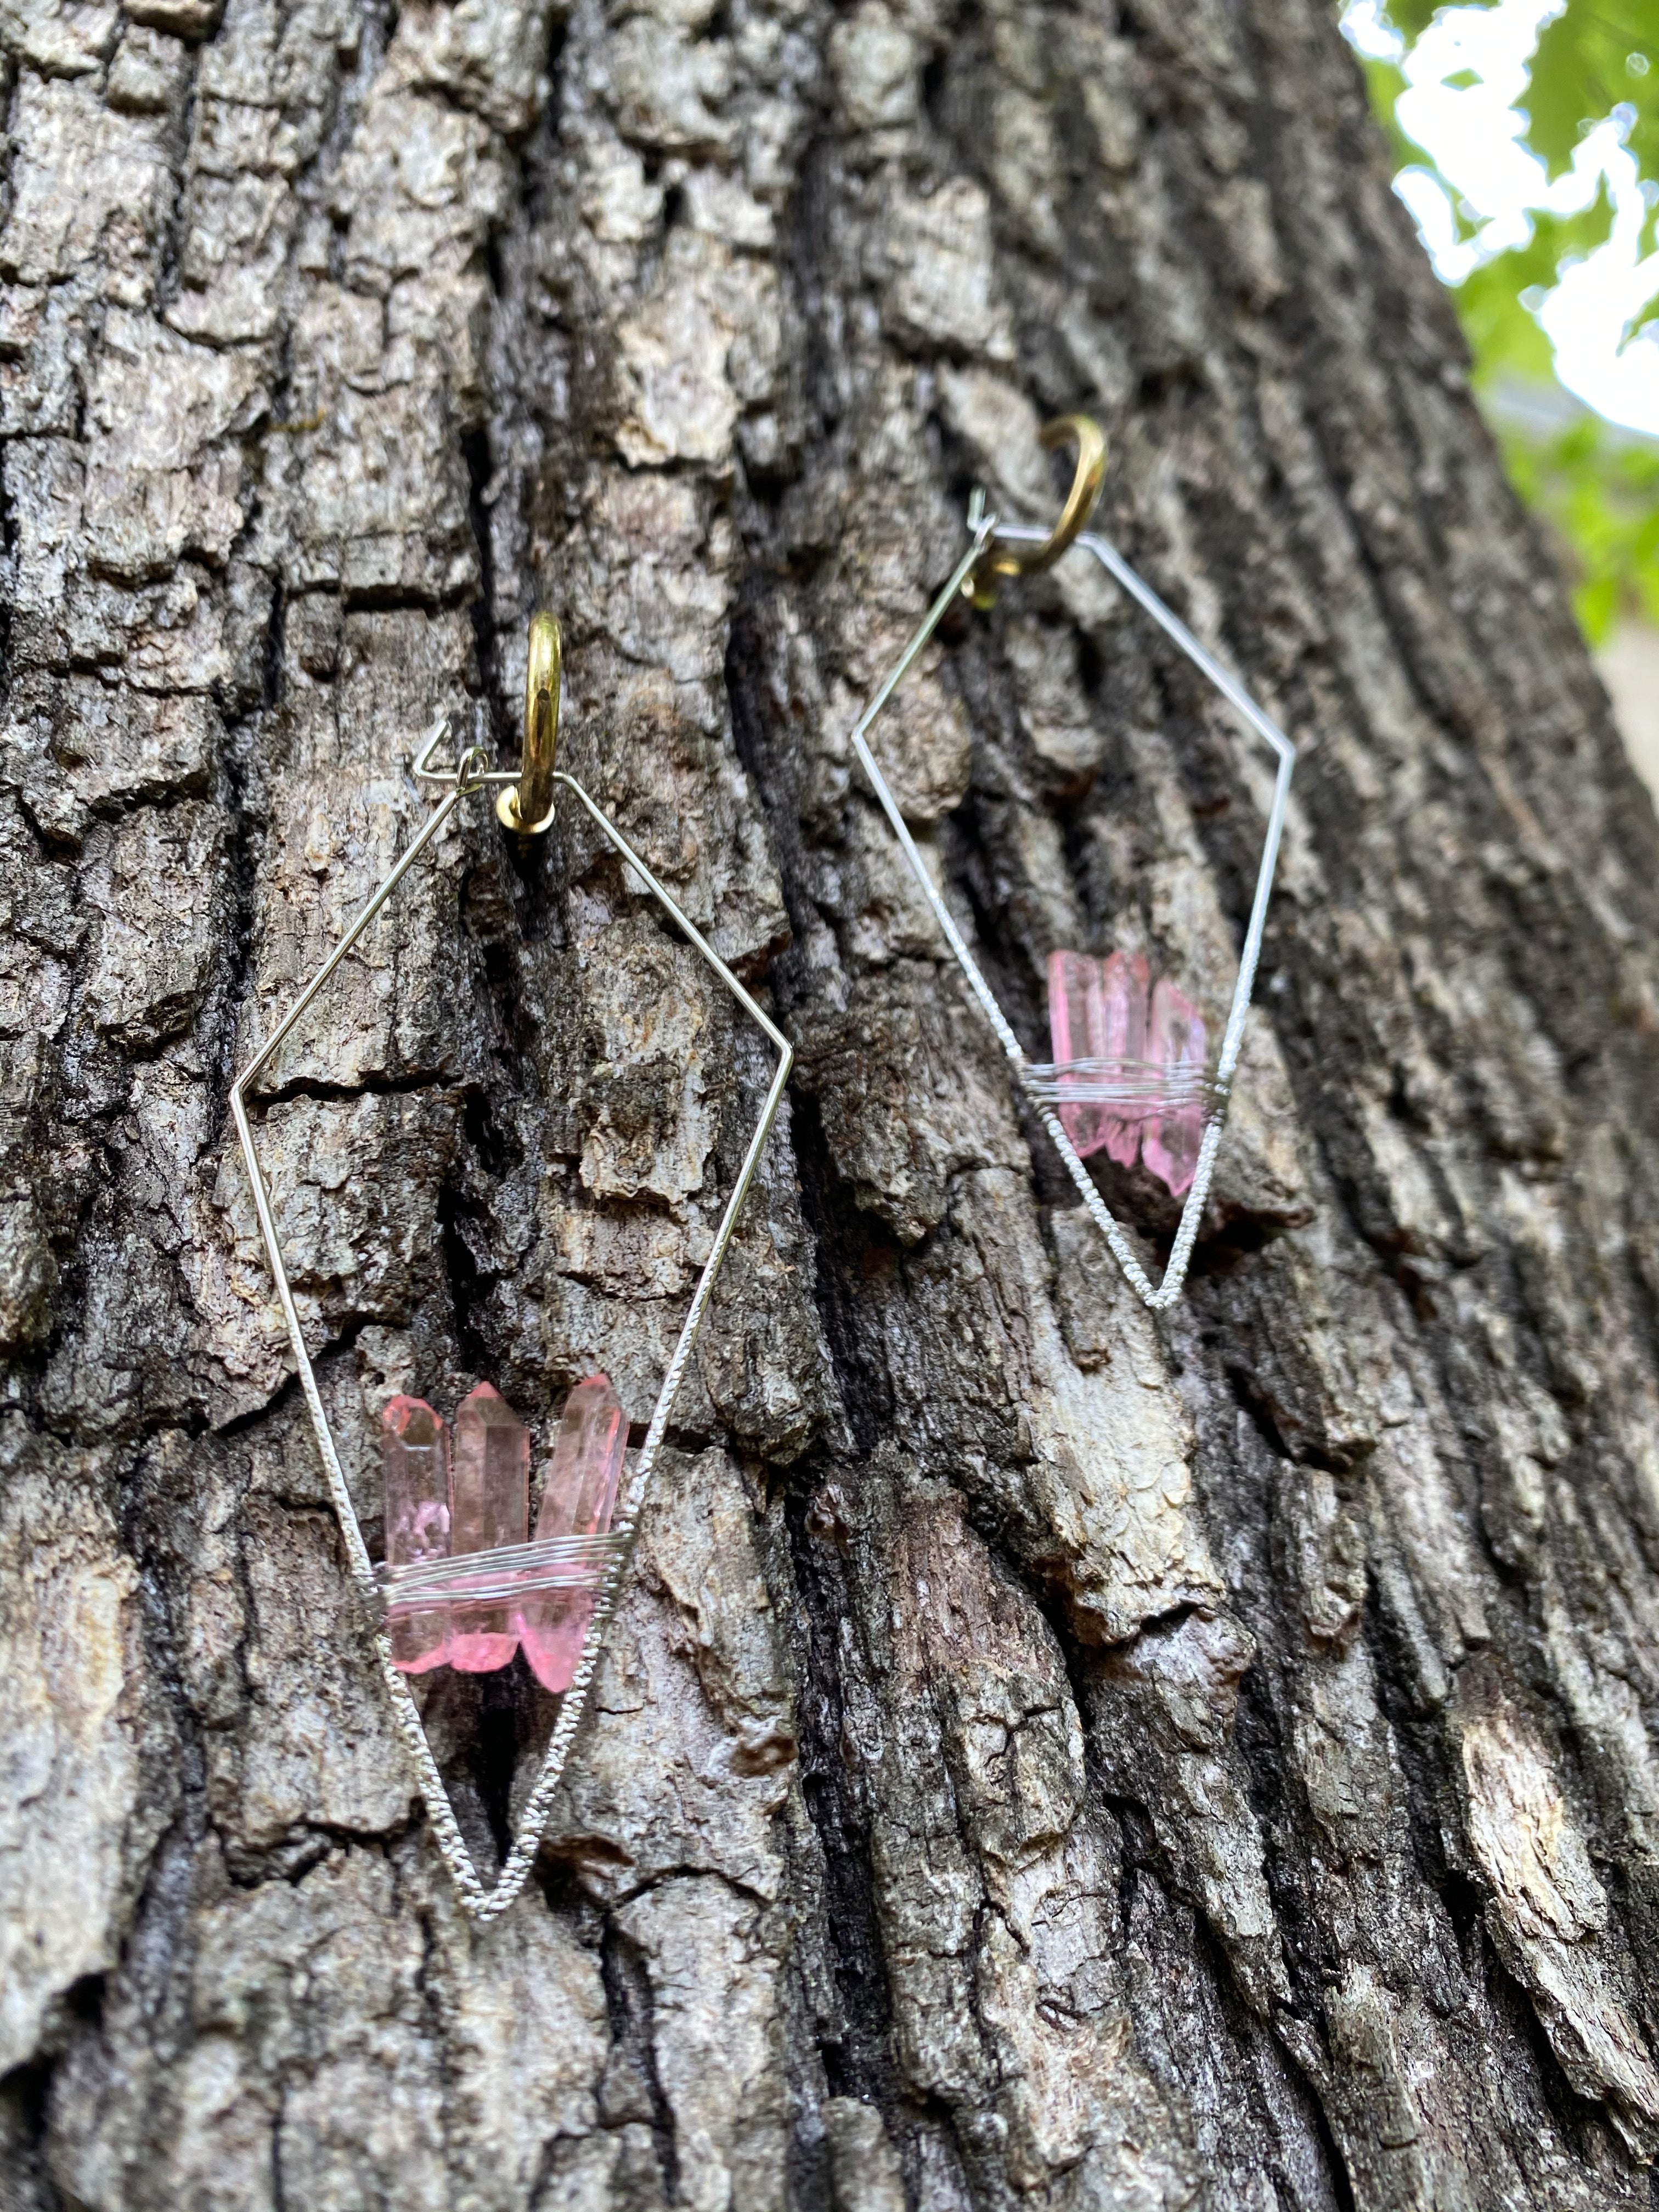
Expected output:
(1044, 1756)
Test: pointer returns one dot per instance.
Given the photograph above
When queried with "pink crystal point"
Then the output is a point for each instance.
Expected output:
(578, 1499)
(1077, 1031)
(1124, 979)
(1175, 1042)
(491, 1506)
(415, 1460)
(1096, 1011)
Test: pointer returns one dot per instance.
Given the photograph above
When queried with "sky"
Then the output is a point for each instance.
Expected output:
(1474, 135)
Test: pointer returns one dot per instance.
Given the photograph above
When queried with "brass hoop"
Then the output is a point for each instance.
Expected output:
(527, 807)
(1002, 558)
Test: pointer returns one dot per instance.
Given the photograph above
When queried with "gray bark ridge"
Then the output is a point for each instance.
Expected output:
(1046, 1756)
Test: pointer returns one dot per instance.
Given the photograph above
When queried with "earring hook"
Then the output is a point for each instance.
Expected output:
(1001, 558)
(527, 806)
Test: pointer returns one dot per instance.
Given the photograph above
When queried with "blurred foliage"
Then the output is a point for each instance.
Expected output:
(1597, 56)
(1598, 486)
(1601, 493)
(1594, 58)
(1497, 298)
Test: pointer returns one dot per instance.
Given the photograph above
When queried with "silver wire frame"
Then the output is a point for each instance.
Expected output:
(1032, 1084)
(480, 1903)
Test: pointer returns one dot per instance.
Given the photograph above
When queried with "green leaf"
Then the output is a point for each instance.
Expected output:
(1385, 84)
(1504, 335)
(1596, 605)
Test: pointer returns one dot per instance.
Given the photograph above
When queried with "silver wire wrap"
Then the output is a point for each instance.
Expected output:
(480, 1903)
(1137, 1090)
(504, 1572)
(985, 526)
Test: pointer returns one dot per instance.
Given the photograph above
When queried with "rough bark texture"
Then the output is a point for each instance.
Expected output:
(1044, 1756)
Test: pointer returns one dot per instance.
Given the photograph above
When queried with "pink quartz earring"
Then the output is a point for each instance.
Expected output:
(465, 1583)
(1131, 1075)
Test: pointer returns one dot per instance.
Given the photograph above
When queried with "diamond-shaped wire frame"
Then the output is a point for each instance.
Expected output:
(479, 1902)
(984, 527)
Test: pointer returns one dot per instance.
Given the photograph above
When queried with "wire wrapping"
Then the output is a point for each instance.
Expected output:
(504, 1572)
(1136, 1089)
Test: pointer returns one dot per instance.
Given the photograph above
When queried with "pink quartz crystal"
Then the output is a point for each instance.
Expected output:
(491, 1505)
(1077, 1030)
(1124, 978)
(415, 1456)
(578, 1499)
(1176, 1041)
(1097, 1011)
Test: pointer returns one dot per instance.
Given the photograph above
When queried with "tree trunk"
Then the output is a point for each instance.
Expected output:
(1044, 1755)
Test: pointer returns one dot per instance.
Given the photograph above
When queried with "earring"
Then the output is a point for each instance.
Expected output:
(464, 1584)
(1129, 1075)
